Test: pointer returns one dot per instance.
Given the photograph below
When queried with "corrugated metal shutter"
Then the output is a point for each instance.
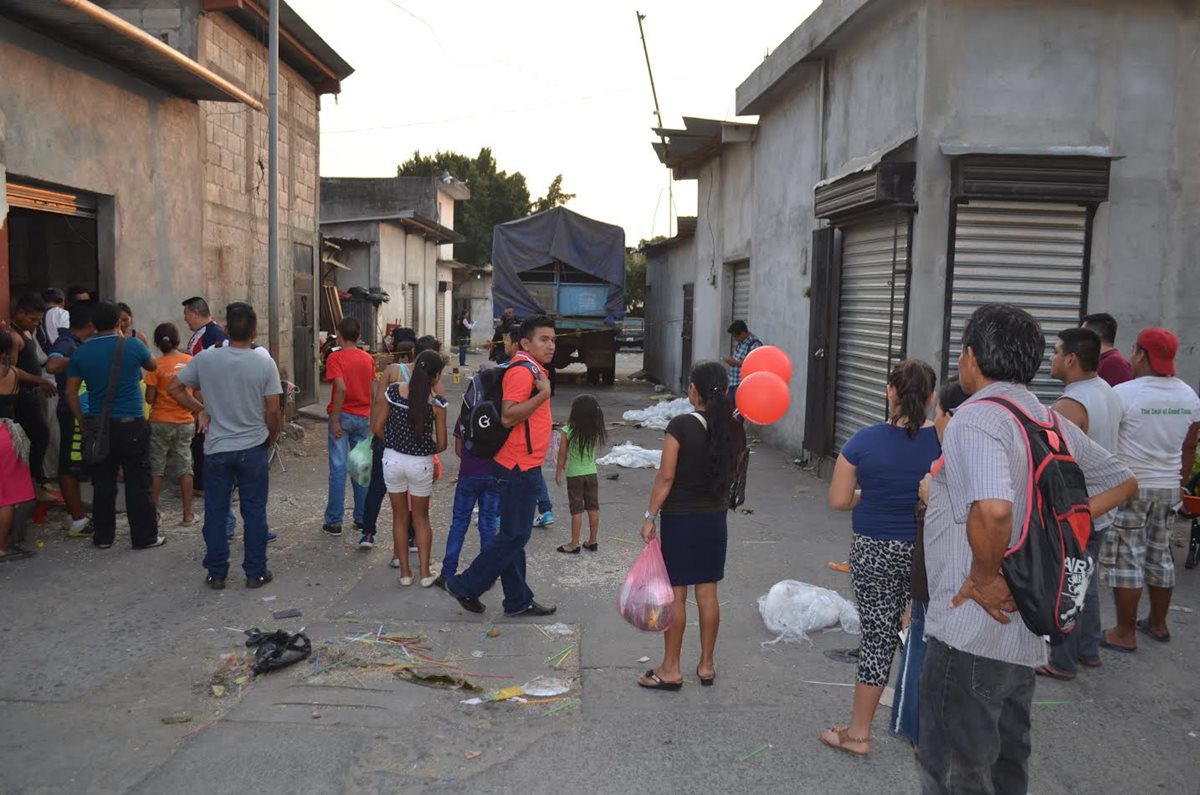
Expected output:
(1022, 253)
(871, 315)
(439, 318)
(410, 307)
(741, 293)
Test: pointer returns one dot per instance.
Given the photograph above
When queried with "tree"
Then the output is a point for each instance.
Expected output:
(555, 197)
(496, 197)
(635, 282)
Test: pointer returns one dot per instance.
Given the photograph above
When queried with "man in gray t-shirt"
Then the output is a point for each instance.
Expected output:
(241, 415)
(977, 680)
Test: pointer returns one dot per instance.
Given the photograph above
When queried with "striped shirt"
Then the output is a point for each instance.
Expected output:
(986, 459)
(740, 353)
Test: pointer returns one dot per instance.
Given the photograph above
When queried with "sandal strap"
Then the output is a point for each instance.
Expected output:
(843, 733)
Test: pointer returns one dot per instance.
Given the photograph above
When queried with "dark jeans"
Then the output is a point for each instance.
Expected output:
(1084, 642)
(974, 723)
(504, 557)
(463, 344)
(246, 469)
(28, 410)
(198, 462)
(480, 489)
(128, 450)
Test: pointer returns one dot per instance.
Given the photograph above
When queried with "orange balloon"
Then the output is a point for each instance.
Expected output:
(768, 359)
(763, 398)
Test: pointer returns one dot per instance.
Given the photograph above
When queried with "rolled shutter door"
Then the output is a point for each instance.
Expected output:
(741, 293)
(871, 320)
(1023, 253)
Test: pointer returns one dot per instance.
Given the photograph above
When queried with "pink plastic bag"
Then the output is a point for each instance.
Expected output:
(646, 599)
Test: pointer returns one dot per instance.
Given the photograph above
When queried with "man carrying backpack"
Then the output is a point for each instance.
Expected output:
(977, 682)
(524, 414)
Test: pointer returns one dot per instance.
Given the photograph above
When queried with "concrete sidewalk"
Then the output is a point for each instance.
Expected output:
(97, 648)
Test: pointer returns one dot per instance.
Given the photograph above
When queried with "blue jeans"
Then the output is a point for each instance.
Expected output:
(246, 469)
(906, 704)
(463, 344)
(504, 557)
(377, 490)
(975, 714)
(543, 494)
(481, 489)
(354, 430)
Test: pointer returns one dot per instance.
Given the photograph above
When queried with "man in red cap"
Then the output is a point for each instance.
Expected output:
(1157, 440)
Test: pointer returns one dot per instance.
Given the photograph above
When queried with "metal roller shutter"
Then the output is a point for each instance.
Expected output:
(741, 293)
(410, 307)
(1028, 254)
(871, 319)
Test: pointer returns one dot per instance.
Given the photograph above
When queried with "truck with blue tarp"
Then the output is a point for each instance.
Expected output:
(572, 268)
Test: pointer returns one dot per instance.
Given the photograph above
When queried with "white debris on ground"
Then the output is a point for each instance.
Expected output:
(657, 416)
(792, 609)
(630, 456)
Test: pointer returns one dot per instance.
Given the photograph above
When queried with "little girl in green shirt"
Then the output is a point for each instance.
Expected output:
(583, 434)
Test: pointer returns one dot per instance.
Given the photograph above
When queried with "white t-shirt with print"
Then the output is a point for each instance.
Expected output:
(1156, 414)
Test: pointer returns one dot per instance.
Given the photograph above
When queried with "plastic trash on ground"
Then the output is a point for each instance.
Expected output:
(658, 415)
(646, 600)
(358, 462)
(630, 456)
(792, 609)
(546, 686)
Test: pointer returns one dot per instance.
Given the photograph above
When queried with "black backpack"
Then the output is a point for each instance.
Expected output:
(483, 432)
(1048, 569)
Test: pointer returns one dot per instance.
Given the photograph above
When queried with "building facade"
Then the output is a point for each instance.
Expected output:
(141, 173)
(916, 158)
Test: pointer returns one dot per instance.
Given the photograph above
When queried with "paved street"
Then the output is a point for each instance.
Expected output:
(108, 661)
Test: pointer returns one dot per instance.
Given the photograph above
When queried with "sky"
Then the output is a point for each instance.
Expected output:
(551, 87)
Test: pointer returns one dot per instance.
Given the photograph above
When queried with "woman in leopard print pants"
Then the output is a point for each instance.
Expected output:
(877, 475)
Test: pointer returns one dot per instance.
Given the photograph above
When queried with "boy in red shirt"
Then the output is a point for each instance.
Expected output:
(518, 470)
(352, 373)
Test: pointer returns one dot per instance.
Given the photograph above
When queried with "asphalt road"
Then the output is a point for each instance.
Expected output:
(108, 661)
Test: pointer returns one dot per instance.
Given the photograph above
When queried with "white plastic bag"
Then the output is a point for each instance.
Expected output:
(657, 416)
(630, 456)
(792, 609)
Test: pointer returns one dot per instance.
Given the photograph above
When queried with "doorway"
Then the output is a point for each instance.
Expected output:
(685, 359)
(303, 324)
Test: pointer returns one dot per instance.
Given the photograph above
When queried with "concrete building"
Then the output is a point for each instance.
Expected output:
(133, 152)
(916, 158)
(396, 235)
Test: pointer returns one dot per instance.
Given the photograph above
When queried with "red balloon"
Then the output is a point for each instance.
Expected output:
(768, 359)
(763, 398)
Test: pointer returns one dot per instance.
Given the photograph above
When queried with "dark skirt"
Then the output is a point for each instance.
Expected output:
(693, 546)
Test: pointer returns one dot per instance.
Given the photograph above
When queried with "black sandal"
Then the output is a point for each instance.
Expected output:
(16, 552)
(659, 684)
(591, 547)
(567, 550)
(703, 681)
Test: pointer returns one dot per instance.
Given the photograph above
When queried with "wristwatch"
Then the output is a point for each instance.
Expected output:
(651, 516)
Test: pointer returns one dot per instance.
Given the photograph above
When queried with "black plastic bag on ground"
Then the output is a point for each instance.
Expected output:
(278, 649)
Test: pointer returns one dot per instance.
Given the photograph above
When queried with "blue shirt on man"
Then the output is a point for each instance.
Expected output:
(890, 465)
(93, 360)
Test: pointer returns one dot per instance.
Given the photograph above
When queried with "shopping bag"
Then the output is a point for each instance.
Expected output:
(359, 462)
(646, 600)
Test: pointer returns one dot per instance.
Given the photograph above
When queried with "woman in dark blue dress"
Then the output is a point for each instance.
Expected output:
(691, 492)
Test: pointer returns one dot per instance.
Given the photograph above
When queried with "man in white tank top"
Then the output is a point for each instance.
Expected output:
(1089, 402)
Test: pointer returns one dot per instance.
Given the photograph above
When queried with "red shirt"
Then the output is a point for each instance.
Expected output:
(518, 387)
(1114, 368)
(356, 368)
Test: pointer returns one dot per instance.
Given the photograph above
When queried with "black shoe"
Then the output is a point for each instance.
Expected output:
(258, 582)
(534, 609)
(440, 582)
(469, 603)
(214, 583)
(332, 529)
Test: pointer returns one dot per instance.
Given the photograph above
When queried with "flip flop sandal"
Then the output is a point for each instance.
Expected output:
(566, 550)
(591, 547)
(843, 734)
(659, 684)
(1054, 673)
(1096, 663)
(706, 682)
(1105, 644)
(16, 553)
(1144, 627)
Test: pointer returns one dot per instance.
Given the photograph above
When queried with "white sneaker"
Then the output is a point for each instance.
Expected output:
(406, 581)
(395, 564)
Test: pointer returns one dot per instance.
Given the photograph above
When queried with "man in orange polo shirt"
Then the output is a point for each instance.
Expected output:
(525, 405)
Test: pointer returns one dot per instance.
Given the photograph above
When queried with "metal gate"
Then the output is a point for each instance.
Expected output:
(1029, 254)
(685, 360)
(872, 312)
(740, 306)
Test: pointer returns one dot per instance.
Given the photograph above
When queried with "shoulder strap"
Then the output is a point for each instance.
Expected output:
(700, 417)
(110, 394)
(536, 373)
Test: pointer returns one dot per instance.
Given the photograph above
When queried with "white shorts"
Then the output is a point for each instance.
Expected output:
(411, 473)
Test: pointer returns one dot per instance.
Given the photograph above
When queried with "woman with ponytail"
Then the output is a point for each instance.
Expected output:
(171, 425)
(691, 492)
(877, 475)
(413, 429)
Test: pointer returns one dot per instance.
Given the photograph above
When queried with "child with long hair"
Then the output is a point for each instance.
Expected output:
(413, 428)
(171, 425)
(582, 435)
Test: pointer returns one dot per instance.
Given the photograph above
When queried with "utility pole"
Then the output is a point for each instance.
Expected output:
(658, 113)
(273, 179)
